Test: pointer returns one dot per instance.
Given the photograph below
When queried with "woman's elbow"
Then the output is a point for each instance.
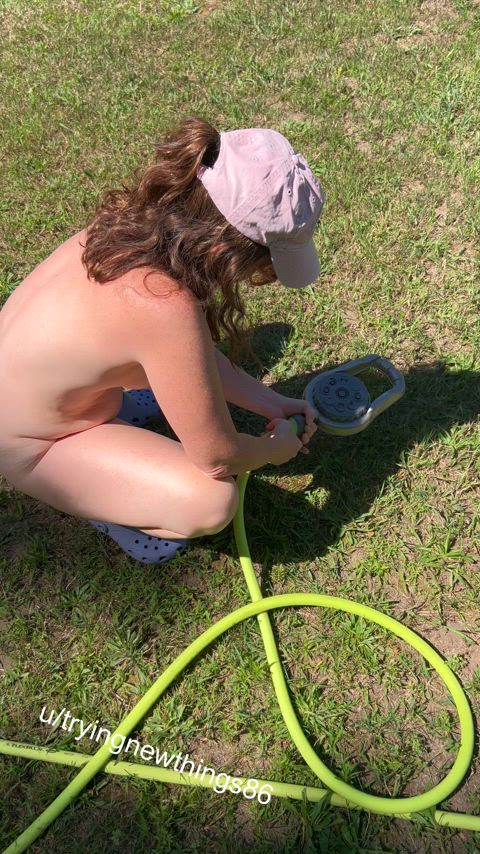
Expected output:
(217, 470)
(215, 463)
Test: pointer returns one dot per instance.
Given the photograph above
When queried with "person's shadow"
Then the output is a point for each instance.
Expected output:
(341, 476)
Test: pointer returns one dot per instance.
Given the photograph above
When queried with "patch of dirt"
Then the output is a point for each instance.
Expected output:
(435, 272)
(412, 187)
(74, 6)
(209, 7)
(351, 316)
(351, 45)
(244, 822)
(353, 86)
(287, 112)
(426, 26)
(446, 341)
(465, 253)
(296, 116)
(449, 210)
(6, 661)
(297, 484)
(356, 556)
(192, 579)
(117, 791)
(408, 603)
(399, 138)
(240, 758)
(351, 130)
(401, 836)
(447, 642)
(471, 663)
(352, 83)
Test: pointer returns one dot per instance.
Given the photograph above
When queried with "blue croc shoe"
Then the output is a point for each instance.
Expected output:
(141, 546)
(139, 407)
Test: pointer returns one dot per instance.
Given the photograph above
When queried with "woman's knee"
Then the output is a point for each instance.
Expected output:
(221, 504)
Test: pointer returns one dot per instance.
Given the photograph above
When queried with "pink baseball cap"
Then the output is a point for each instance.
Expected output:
(268, 192)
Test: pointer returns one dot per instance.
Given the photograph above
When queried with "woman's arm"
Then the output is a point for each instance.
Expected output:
(245, 391)
(173, 344)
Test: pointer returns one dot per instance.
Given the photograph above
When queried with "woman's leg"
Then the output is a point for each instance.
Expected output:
(119, 474)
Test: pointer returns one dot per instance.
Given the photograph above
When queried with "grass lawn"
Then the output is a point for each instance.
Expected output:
(382, 99)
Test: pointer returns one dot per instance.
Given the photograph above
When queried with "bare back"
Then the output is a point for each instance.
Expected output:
(63, 355)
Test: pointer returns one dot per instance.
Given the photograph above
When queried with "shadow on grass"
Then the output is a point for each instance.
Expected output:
(350, 470)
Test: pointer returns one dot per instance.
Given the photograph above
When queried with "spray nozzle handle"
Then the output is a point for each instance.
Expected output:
(297, 423)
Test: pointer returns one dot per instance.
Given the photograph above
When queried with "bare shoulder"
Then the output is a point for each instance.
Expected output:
(150, 289)
(152, 302)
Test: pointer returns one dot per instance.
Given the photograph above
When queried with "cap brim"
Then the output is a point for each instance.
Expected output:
(296, 267)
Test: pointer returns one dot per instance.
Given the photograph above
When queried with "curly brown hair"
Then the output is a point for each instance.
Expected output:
(167, 221)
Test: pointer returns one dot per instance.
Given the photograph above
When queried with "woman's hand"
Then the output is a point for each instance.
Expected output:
(284, 407)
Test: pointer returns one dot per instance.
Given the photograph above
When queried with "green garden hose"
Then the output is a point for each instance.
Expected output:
(339, 793)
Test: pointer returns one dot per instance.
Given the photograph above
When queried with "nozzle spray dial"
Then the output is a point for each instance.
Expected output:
(343, 401)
